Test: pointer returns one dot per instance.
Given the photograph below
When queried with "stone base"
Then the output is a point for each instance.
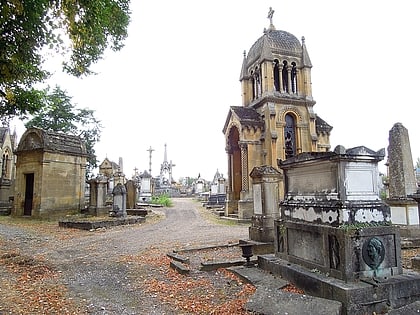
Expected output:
(264, 234)
(344, 253)
(404, 211)
(259, 248)
(85, 224)
(365, 296)
(245, 209)
(98, 211)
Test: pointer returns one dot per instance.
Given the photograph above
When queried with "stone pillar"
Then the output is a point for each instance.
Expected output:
(401, 178)
(265, 181)
(402, 181)
(244, 165)
(93, 195)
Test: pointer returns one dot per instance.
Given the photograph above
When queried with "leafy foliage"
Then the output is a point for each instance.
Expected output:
(79, 30)
(163, 200)
(60, 115)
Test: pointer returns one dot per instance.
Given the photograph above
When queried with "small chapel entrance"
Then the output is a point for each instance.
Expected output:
(29, 193)
(235, 171)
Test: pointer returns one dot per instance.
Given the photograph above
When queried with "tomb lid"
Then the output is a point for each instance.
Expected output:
(259, 171)
(339, 154)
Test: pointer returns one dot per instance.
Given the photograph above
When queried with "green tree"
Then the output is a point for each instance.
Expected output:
(78, 29)
(60, 115)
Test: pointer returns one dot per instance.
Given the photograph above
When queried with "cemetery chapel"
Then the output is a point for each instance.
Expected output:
(276, 119)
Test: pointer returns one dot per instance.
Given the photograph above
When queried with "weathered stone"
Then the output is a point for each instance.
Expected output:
(131, 189)
(401, 175)
(179, 267)
(119, 204)
(334, 189)
(415, 262)
(50, 178)
(402, 185)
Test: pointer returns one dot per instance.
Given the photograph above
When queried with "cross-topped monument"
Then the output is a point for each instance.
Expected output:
(150, 150)
(270, 17)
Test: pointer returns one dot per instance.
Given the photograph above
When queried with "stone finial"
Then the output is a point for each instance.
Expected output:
(340, 149)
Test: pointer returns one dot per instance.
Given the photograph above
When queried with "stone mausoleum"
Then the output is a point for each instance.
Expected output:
(277, 118)
(50, 174)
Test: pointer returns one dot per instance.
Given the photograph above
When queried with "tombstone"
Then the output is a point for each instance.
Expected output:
(217, 194)
(97, 196)
(265, 185)
(401, 178)
(119, 201)
(334, 238)
(199, 186)
(131, 188)
(221, 186)
(145, 187)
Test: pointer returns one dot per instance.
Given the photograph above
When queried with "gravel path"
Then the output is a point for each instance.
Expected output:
(90, 264)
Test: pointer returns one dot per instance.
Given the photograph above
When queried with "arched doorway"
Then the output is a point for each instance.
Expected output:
(235, 170)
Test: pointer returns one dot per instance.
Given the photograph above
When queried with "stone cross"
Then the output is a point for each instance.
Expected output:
(270, 15)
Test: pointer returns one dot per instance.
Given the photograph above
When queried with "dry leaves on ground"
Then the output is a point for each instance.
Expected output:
(31, 287)
(214, 292)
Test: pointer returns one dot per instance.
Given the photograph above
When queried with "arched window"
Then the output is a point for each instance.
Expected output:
(285, 76)
(5, 165)
(276, 75)
(293, 75)
(253, 84)
(257, 77)
(289, 136)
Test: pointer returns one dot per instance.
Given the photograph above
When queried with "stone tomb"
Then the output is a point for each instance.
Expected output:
(335, 239)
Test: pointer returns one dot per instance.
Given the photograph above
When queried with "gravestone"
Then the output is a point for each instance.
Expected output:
(334, 238)
(131, 188)
(145, 194)
(97, 196)
(401, 178)
(119, 208)
(265, 185)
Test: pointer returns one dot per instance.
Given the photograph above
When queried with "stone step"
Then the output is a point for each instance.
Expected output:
(179, 267)
(270, 299)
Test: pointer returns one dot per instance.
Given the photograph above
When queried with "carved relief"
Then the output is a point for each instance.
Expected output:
(334, 251)
(373, 252)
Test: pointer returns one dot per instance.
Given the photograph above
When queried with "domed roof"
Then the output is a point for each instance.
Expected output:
(278, 43)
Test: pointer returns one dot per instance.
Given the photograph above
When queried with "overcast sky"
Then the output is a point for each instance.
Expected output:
(178, 74)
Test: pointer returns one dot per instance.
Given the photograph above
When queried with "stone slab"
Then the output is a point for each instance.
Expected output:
(269, 299)
(359, 297)
(84, 224)
(214, 265)
(179, 267)
(178, 257)
(413, 308)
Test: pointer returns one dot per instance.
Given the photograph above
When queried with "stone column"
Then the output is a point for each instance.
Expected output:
(244, 165)
(402, 181)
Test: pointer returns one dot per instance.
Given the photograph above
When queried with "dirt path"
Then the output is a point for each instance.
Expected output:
(106, 271)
